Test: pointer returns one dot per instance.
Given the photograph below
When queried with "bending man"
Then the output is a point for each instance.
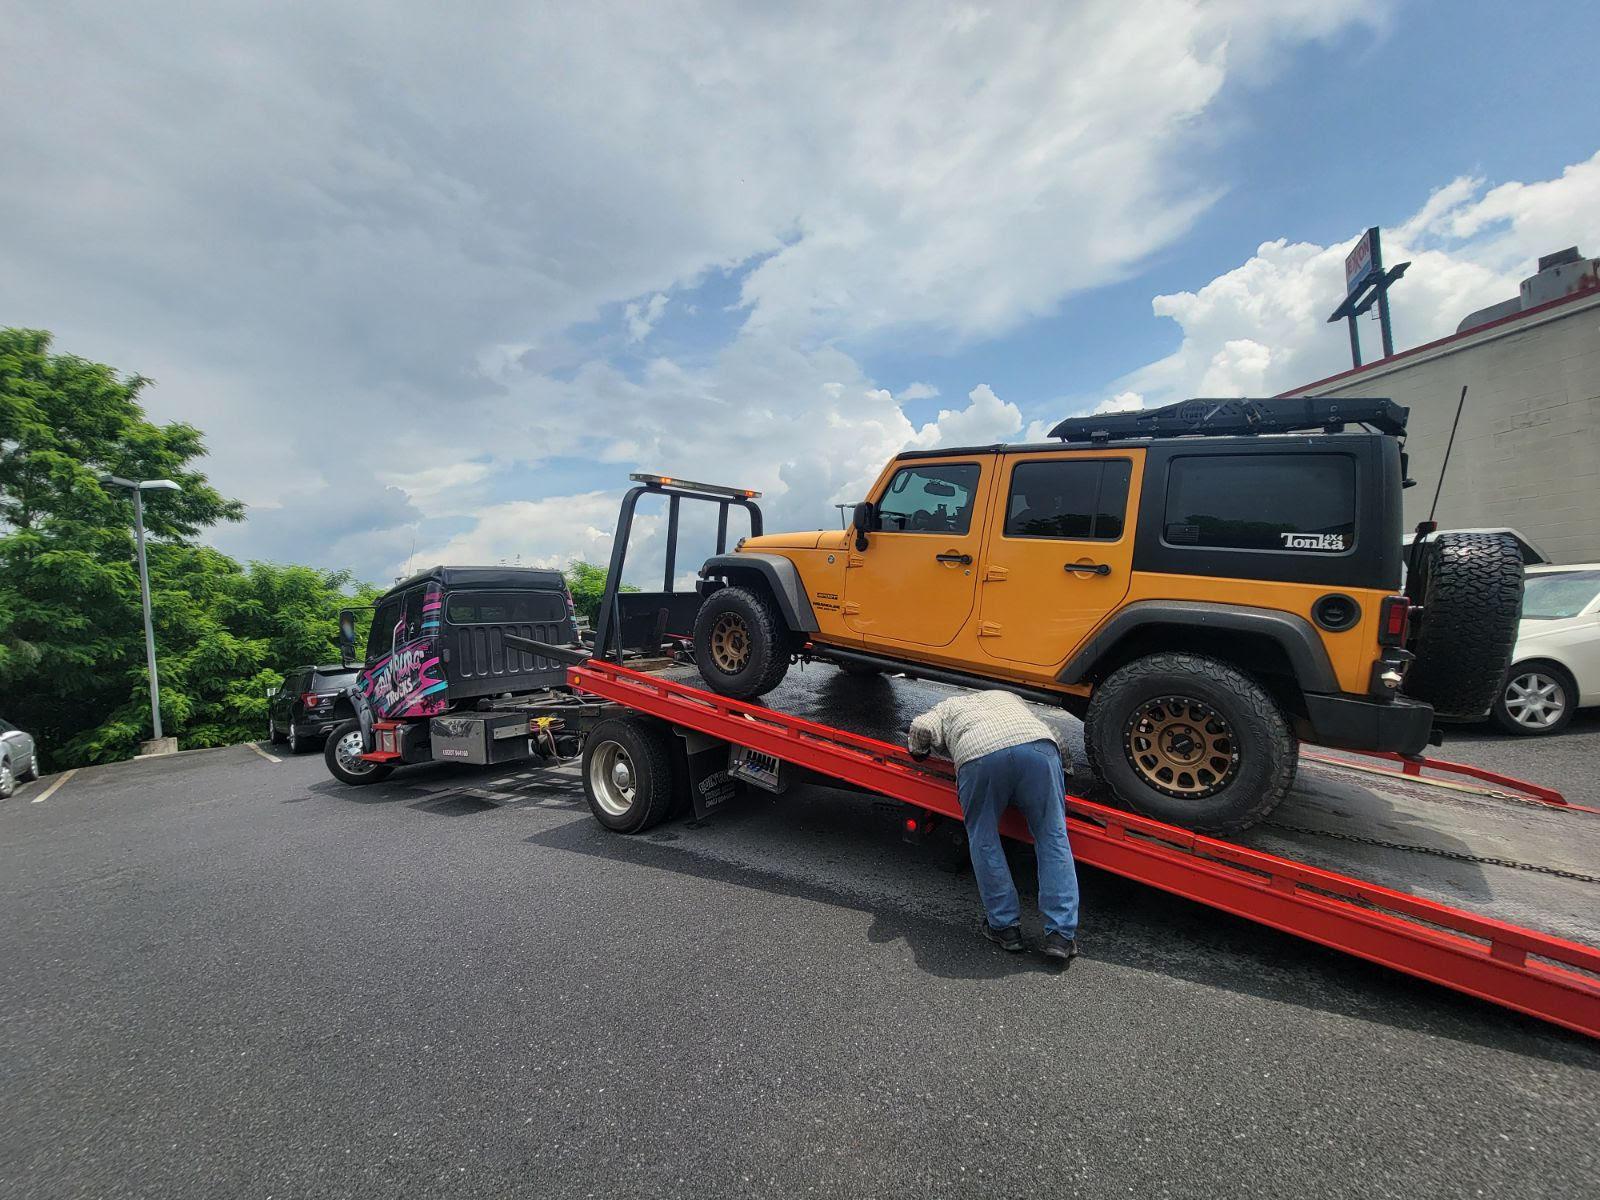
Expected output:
(1006, 756)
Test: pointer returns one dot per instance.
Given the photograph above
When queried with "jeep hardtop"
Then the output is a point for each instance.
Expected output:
(1204, 584)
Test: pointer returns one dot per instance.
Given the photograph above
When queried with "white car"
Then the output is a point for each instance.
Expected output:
(18, 759)
(1555, 668)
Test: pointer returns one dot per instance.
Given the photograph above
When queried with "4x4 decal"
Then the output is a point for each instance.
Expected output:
(1314, 541)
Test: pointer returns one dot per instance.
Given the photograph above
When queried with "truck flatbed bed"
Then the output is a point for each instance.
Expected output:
(1496, 857)
(1490, 895)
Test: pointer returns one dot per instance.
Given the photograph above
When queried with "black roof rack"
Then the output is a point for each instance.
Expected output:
(1232, 417)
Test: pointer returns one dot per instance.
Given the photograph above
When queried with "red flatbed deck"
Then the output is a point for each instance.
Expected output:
(1529, 970)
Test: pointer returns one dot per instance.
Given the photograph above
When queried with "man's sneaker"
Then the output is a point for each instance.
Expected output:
(1009, 938)
(1059, 946)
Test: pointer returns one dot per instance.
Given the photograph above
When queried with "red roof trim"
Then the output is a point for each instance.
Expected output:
(1580, 294)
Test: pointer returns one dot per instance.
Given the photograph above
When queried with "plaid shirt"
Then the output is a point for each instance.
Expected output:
(976, 723)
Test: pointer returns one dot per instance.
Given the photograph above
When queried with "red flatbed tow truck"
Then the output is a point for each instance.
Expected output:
(652, 740)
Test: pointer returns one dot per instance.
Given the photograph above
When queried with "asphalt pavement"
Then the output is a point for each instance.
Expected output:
(231, 976)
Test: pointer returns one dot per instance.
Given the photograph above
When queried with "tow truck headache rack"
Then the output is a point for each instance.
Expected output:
(1522, 969)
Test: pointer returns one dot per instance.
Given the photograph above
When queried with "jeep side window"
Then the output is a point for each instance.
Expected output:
(936, 498)
(381, 638)
(1082, 499)
(1302, 503)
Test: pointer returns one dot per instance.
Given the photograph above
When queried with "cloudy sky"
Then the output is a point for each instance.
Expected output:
(434, 279)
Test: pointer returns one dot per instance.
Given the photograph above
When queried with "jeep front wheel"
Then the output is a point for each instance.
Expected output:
(741, 643)
(1190, 740)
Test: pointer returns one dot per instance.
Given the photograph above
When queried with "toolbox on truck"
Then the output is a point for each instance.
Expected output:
(482, 739)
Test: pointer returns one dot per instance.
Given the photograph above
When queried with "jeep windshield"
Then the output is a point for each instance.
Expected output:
(1559, 595)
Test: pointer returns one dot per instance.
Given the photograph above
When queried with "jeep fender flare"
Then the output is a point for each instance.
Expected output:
(1293, 634)
(781, 578)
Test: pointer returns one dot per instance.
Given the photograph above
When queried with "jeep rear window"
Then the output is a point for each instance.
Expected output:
(936, 498)
(1083, 499)
(505, 608)
(1301, 503)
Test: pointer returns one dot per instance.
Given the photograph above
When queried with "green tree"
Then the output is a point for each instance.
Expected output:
(72, 668)
(587, 584)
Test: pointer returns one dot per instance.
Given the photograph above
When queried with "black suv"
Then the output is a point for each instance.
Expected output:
(311, 702)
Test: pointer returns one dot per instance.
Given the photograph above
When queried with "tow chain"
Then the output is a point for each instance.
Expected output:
(1455, 855)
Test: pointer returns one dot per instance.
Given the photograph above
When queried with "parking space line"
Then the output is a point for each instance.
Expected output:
(51, 790)
(263, 753)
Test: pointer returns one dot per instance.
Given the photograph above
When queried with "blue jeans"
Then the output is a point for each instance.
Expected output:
(1028, 777)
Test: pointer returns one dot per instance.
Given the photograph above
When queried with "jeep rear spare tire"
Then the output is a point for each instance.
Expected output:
(1469, 586)
(741, 643)
(1190, 740)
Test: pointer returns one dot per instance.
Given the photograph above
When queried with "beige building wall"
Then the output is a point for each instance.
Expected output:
(1527, 454)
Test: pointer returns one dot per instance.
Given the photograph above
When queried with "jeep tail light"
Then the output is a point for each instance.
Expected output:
(1394, 621)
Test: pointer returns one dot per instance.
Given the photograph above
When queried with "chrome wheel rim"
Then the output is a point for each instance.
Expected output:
(8, 781)
(612, 779)
(347, 751)
(294, 737)
(730, 643)
(1181, 747)
(1535, 700)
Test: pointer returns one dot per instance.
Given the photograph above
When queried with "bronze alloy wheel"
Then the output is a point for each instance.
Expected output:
(730, 643)
(1181, 747)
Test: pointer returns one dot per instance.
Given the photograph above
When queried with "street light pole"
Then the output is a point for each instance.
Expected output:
(149, 628)
(138, 488)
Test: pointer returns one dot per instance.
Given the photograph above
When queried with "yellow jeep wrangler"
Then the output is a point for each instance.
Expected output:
(1203, 585)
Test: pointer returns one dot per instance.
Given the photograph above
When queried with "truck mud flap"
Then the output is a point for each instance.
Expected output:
(709, 784)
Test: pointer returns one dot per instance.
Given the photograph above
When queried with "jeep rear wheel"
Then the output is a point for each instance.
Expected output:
(1469, 586)
(741, 643)
(1191, 740)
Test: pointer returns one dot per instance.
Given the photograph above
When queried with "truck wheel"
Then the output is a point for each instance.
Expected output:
(273, 736)
(1191, 740)
(343, 756)
(741, 643)
(627, 774)
(1469, 586)
(1538, 698)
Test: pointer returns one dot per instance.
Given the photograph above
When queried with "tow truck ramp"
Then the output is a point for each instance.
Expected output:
(1525, 969)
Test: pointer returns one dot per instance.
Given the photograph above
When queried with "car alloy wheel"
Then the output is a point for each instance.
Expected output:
(730, 643)
(8, 781)
(294, 738)
(1535, 700)
(1181, 747)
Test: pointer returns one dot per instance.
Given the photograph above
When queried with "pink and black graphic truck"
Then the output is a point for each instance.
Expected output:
(437, 662)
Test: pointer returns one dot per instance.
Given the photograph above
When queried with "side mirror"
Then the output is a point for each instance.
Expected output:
(864, 519)
(347, 636)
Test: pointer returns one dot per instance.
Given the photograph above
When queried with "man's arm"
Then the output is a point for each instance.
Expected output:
(927, 732)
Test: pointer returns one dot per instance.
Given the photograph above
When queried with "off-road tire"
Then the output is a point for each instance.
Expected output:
(645, 749)
(770, 643)
(1268, 752)
(330, 756)
(1469, 586)
(1555, 672)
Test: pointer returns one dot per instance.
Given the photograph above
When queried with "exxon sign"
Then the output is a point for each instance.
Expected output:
(1358, 265)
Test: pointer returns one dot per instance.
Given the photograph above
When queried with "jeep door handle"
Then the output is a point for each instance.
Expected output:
(1091, 568)
(964, 559)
